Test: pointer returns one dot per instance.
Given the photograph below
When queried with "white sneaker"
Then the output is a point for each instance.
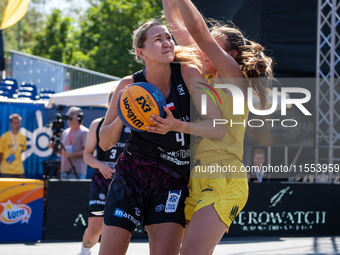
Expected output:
(88, 253)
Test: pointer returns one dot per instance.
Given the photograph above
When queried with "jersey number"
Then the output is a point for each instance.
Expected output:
(113, 154)
(180, 138)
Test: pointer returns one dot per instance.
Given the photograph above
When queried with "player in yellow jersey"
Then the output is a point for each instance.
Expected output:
(216, 198)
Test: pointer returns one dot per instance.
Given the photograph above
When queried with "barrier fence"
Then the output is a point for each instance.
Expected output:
(45, 73)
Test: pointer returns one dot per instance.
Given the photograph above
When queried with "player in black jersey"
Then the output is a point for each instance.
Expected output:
(103, 165)
(151, 178)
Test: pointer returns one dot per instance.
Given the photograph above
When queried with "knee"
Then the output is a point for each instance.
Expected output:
(94, 230)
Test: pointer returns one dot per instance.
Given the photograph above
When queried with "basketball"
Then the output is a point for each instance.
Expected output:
(137, 102)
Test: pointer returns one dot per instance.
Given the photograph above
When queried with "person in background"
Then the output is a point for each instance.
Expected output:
(72, 146)
(256, 174)
(103, 165)
(12, 144)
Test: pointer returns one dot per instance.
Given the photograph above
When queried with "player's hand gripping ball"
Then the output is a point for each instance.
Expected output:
(137, 102)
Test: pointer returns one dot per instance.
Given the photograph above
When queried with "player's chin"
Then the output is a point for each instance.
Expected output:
(168, 58)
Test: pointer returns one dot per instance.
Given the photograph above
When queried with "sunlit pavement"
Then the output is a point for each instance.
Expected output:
(229, 245)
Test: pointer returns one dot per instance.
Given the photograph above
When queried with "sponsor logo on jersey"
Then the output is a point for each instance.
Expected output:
(174, 160)
(180, 90)
(121, 214)
(137, 211)
(233, 213)
(96, 202)
(159, 208)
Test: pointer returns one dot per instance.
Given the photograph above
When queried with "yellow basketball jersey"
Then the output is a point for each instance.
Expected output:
(231, 145)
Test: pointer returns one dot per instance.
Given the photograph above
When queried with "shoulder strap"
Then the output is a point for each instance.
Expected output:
(98, 128)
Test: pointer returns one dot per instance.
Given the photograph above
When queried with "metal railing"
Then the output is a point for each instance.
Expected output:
(327, 146)
(45, 73)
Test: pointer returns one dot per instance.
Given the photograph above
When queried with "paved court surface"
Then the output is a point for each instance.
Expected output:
(229, 245)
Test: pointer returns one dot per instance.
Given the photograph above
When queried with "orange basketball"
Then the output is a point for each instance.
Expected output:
(137, 102)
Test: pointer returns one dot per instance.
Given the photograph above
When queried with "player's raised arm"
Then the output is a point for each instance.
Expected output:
(176, 24)
(195, 24)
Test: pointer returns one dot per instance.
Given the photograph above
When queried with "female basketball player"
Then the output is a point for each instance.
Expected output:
(215, 200)
(152, 173)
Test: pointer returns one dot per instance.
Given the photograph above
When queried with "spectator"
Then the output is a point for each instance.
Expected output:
(72, 146)
(12, 144)
(256, 174)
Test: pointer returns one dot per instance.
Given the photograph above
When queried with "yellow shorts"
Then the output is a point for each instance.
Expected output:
(229, 195)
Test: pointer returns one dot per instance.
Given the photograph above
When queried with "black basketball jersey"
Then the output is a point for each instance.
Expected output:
(173, 147)
(110, 156)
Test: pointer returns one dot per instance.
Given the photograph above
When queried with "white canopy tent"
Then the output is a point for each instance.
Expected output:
(95, 95)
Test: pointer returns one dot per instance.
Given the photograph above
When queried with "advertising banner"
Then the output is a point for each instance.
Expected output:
(21, 210)
(289, 209)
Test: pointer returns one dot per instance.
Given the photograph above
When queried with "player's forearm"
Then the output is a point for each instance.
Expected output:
(109, 134)
(91, 160)
(192, 18)
(176, 24)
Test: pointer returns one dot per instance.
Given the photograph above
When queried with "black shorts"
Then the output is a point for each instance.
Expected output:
(141, 192)
(98, 193)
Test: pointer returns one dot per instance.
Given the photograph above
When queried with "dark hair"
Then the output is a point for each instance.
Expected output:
(251, 57)
(79, 112)
(259, 151)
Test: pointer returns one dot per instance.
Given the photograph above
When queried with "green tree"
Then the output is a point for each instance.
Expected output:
(105, 37)
(53, 40)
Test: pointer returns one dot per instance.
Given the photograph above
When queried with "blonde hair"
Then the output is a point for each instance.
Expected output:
(251, 57)
(14, 116)
(188, 55)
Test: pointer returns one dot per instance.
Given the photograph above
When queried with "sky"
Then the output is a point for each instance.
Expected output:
(65, 5)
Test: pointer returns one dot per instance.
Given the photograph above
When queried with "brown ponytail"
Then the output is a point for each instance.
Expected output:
(251, 58)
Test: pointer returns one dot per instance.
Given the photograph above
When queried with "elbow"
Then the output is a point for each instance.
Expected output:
(104, 146)
(85, 158)
(107, 144)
